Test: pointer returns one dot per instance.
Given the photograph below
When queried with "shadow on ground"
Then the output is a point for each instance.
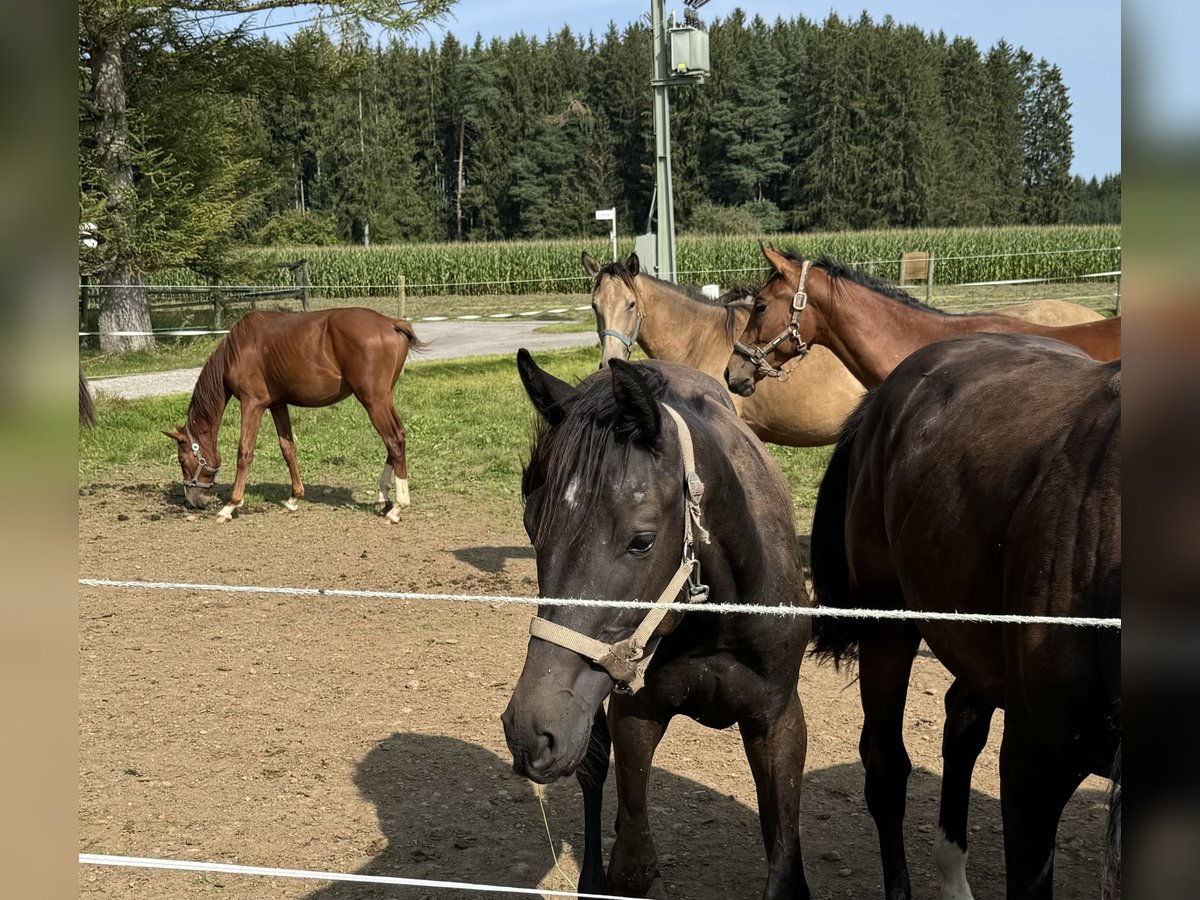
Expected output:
(492, 559)
(453, 811)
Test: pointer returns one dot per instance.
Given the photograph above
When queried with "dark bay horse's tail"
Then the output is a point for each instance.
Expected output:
(87, 409)
(835, 639)
(405, 328)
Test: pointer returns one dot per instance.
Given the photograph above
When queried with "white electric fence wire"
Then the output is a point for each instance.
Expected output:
(500, 599)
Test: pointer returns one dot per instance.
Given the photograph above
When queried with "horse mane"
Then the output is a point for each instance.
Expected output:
(619, 270)
(838, 272)
(581, 447)
(209, 397)
(738, 291)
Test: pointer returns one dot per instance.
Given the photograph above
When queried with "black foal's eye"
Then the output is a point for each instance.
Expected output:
(642, 543)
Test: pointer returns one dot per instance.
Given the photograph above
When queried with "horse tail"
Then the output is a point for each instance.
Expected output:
(835, 638)
(404, 327)
(1112, 863)
(87, 409)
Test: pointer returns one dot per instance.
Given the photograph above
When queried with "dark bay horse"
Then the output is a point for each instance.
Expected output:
(272, 360)
(983, 476)
(615, 510)
(869, 324)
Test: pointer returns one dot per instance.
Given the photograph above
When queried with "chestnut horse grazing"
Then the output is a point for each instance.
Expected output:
(643, 480)
(869, 324)
(983, 476)
(272, 360)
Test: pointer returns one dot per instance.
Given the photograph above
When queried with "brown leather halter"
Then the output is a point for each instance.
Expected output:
(758, 355)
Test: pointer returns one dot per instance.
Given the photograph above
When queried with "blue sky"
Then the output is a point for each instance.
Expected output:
(1083, 38)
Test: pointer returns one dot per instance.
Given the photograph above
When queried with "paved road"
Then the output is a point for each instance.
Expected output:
(447, 340)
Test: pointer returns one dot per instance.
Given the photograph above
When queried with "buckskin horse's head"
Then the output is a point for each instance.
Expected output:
(604, 508)
(617, 304)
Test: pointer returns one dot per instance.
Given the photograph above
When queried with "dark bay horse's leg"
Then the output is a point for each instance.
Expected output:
(591, 774)
(968, 721)
(287, 445)
(387, 422)
(252, 413)
(886, 653)
(776, 751)
(633, 868)
(1036, 781)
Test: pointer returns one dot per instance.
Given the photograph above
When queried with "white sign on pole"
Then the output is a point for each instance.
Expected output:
(610, 215)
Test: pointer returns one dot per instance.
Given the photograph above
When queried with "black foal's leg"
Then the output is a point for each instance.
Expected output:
(776, 751)
(591, 775)
(633, 869)
(886, 654)
(968, 721)
(1036, 781)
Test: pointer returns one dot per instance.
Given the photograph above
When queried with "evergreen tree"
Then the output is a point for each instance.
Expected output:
(1048, 149)
(1006, 74)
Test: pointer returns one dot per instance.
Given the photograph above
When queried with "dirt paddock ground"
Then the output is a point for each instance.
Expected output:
(364, 736)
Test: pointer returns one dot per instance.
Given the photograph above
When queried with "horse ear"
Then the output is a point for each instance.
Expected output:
(775, 259)
(548, 394)
(633, 264)
(637, 408)
(589, 265)
(176, 435)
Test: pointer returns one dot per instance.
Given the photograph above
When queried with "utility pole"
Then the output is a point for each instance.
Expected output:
(680, 57)
(664, 196)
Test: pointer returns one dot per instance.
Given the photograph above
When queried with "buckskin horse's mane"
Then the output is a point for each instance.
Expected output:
(209, 397)
(580, 447)
(838, 271)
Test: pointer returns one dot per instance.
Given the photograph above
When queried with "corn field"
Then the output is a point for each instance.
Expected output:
(536, 267)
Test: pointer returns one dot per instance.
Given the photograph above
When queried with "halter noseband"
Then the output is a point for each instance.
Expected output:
(626, 660)
(758, 355)
(201, 464)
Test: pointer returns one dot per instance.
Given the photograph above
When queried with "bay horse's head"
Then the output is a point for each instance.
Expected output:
(199, 460)
(605, 509)
(617, 304)
(779, 328)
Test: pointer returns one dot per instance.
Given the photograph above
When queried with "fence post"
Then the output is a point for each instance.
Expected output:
(300, 275)
(1118, 293)
(216, 302)
(929, 282)
(401, 285)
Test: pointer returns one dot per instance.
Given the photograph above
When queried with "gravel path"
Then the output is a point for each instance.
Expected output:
(447, 340)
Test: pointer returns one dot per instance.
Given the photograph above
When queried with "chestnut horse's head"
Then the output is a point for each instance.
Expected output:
(781, 326)
(605, 510)
(617, 304)
(199, 460)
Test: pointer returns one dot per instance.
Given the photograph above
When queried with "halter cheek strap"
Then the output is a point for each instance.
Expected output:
(201, 464)
(626, 660)
(758, 355)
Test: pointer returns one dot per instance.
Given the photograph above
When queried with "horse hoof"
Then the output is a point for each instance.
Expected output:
(393, 515)
(222, 518)
(291, 503)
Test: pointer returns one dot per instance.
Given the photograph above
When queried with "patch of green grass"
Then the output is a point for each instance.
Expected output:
(469, 425)
(579, 327)
(171, 353)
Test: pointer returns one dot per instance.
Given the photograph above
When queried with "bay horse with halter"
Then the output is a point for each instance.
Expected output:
(644, 484)
(272, 360)
(869, 324)
(982, 476)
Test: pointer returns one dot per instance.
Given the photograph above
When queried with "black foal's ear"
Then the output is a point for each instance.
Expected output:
(548, 394)
(638, 416)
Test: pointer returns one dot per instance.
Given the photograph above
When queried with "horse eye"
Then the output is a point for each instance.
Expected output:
(760, 307)
(642, 543)
(632, 304)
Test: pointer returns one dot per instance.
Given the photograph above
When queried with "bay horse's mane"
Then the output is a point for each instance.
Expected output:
(838, 271)
(580, 447)
(209, 396)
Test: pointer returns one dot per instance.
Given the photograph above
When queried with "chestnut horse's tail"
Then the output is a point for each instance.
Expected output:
(87, 409)
(835, 638)
(405, 328)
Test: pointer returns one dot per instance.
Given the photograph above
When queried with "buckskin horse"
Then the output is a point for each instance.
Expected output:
(641, 480)
(983, 476)
(869, 324)
(272, 360)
